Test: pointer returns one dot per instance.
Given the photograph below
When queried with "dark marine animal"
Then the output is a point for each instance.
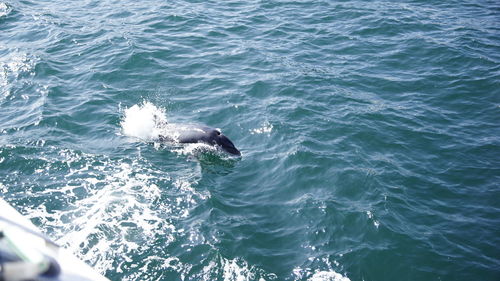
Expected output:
(190, 133)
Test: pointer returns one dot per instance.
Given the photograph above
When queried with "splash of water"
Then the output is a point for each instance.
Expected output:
(143, 121)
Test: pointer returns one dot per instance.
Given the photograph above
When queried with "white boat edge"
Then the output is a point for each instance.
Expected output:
(72, 268)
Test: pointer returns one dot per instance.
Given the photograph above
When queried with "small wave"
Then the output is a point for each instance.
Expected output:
(4, 9)
(16, 63)
(12, 66)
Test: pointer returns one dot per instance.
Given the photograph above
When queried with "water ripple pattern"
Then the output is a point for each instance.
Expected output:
(369, 132)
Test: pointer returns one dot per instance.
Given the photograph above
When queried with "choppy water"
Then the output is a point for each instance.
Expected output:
(369, 132)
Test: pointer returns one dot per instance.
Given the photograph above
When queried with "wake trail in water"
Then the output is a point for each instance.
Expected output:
(110, 210)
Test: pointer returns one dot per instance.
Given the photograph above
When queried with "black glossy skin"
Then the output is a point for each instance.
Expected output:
(201, 134)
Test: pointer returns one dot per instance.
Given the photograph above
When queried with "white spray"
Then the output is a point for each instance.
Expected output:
(143, 121)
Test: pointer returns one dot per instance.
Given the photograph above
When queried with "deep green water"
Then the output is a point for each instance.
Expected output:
(369, 131)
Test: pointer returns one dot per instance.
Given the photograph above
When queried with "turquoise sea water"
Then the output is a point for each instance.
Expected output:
(369, 132)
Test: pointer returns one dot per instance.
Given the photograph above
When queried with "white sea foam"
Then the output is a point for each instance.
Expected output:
(98, 226)
(328, 276)
(318, 275)
(265, 128)
(233, 270)
(195, 149)
(327, 273)
(12, 66)
(4, 9)
(376, 223)
(111, 207)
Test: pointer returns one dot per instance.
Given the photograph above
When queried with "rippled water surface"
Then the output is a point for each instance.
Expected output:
(369, 133)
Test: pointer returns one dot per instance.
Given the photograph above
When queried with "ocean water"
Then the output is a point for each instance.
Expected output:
(369, 133)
